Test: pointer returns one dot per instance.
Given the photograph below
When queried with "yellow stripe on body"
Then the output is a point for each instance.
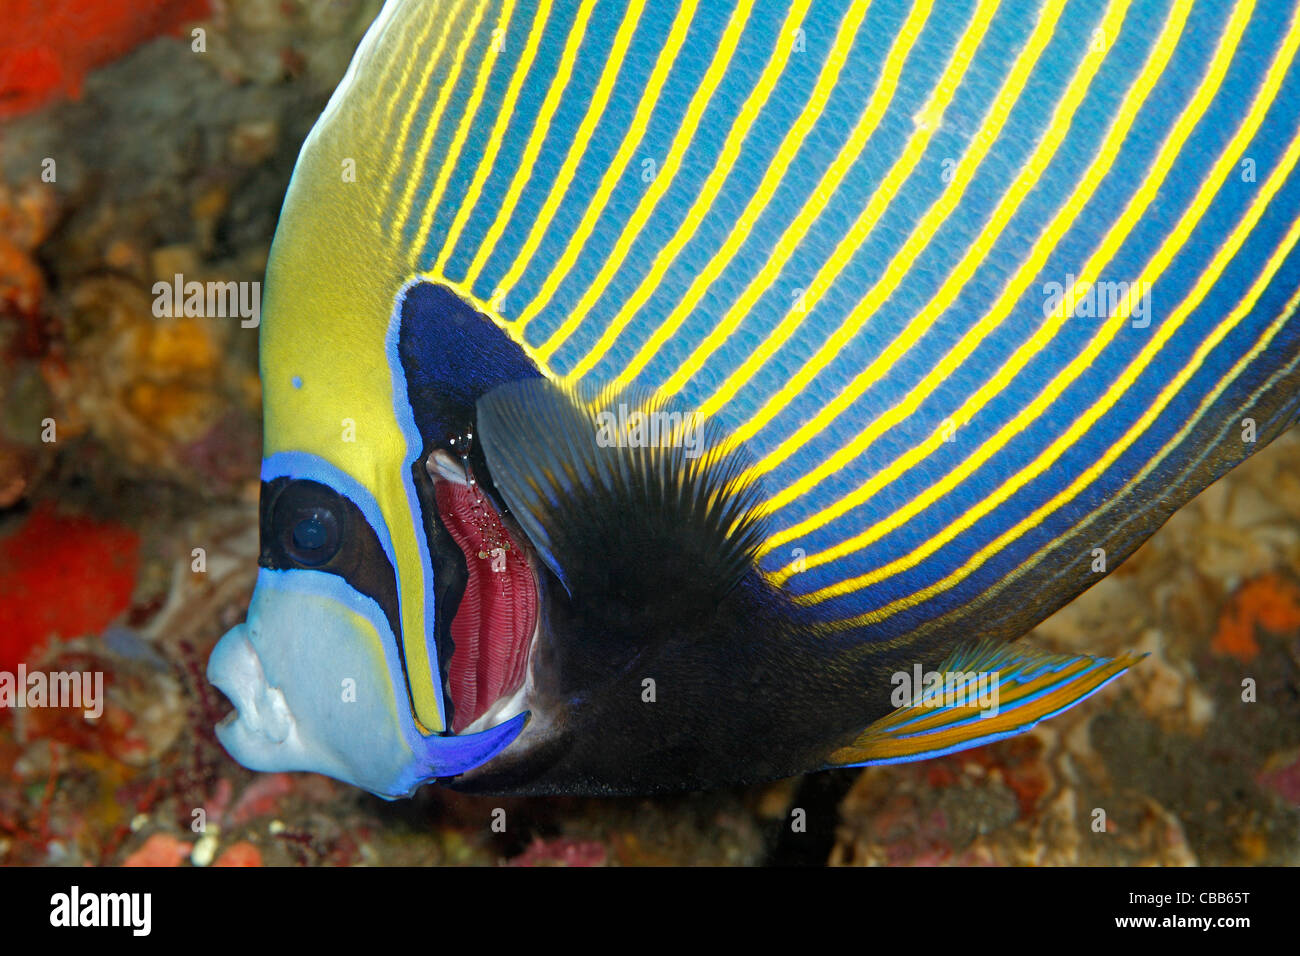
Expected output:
(1227, 162)
(662, 180)
(1118, 233)
(1166, 395)
(758, 203)
(983, 141)
(717, 177)
(405, 209)
(401, 91)
(1285, 316)
(902, 262)
(1062, 222)
(848, 246)
(872, 114)
(528, 160)
(448, 162)
(504, 114)
(636, 131)
(962, 273)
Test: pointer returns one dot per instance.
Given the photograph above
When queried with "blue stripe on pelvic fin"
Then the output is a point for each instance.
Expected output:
(1028, 686)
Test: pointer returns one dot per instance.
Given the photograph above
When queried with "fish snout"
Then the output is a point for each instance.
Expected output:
(260, 711)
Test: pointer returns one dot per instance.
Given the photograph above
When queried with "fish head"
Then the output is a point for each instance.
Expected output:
(347, 663)
(317, 672)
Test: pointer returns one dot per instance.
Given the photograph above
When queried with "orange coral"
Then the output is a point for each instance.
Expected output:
(1268, 601)
(160, 849)
(241, 854)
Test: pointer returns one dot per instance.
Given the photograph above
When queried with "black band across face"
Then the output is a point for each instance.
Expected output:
(306, 525)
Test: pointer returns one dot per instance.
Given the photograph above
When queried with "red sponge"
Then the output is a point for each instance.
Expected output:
(65, 576)
(48, 46)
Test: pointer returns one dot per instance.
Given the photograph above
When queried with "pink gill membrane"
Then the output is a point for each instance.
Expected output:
(498, 612)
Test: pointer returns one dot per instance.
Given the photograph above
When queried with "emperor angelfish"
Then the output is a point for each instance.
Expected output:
(676, 395)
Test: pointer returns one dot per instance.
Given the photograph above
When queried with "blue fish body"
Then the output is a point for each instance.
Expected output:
(674, 395)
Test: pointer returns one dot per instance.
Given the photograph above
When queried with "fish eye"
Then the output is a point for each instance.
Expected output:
(315, 536)
(307, 523)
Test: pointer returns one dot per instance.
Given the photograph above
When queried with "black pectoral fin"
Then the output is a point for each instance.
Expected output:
(623, 497)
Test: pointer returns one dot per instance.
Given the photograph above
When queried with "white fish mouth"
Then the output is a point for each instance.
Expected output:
(260, 711)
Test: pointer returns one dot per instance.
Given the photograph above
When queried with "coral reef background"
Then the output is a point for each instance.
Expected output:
(129, 447)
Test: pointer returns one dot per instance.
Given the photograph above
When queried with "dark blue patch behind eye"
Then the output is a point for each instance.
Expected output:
(452, 355)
